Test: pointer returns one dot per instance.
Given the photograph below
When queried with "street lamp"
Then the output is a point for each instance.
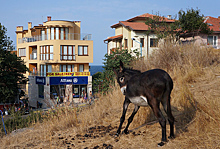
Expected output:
(139, 43)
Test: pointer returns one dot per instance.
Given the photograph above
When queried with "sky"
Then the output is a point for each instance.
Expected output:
(96, 16)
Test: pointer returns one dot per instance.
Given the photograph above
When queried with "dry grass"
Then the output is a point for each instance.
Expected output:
(195, 104)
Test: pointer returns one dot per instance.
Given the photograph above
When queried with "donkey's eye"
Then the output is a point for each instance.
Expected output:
(121, 79)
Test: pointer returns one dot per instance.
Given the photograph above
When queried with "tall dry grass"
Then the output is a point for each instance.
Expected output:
(195, 102)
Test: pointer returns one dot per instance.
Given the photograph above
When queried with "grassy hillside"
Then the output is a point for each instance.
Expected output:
(195, 102)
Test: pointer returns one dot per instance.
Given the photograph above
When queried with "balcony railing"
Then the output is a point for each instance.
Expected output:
(33, 56)
(69, 36)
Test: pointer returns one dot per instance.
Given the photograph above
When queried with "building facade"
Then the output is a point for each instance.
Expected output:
(210, 40)
(132, 35)
(58, 56)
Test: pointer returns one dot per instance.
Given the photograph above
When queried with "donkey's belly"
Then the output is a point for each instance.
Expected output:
(139, 100)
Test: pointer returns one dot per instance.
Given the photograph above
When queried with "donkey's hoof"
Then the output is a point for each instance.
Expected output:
(161, 144)
(171, 137)
(125, 132)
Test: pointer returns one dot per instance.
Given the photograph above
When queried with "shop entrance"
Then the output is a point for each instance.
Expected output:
(78, 90)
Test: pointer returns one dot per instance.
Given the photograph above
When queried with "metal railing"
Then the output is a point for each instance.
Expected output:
(69, 36)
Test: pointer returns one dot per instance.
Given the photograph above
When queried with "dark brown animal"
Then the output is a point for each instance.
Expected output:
(148, 88)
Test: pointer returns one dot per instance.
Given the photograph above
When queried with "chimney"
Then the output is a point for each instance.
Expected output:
(169, 17)
(48, 18)
(29, 25)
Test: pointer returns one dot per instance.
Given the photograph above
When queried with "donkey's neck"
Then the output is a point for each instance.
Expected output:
(132, 72)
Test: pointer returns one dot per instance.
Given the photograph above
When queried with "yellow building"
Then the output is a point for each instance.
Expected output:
(55, 51)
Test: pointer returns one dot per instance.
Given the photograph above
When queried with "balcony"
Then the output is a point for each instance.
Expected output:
(69, 36)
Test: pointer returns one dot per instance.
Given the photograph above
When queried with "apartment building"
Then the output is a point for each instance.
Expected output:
(58, 56)
(131, 34)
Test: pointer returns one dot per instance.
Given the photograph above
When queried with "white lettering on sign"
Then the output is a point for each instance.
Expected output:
(40, 80)
(66, 80)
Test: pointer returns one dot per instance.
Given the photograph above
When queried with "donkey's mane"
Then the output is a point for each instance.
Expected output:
(132, 71)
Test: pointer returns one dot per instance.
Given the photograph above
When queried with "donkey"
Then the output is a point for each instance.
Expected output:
(151, 88)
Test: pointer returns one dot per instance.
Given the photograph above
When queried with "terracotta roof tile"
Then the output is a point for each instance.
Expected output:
(214, 23)
(114, 37)
(141, 26)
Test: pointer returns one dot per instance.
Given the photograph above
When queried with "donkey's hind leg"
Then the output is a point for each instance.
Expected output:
(167, 108)
(130, 119)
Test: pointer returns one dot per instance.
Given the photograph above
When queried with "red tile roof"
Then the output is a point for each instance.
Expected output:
(214, 23)
(147, 15)
(114, 37)
(138, 25)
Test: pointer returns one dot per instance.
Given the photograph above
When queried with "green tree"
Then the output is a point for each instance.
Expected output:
(106, 79)
(192, 22)
(159, 25)
(11, 69)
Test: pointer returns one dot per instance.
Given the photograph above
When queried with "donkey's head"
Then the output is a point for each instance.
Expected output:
(123, 75)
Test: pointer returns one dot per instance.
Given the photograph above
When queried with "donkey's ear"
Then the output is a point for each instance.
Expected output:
(121, 66)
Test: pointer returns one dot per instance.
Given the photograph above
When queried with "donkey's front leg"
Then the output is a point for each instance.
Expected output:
(130, 119)
(125, 107)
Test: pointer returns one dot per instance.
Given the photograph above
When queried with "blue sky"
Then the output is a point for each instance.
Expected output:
(96, 16)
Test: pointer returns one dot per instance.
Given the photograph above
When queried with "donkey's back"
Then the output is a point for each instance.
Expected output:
(152, 83)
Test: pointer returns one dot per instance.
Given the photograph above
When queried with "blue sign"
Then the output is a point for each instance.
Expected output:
(68, 80)
(41, 80)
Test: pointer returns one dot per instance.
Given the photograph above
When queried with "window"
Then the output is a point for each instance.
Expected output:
(46, 52)
(48, 33)
(57, 33)
(67, 53)
(83, 50)
(62, 34)
(66, 33)
(142, 41)
(212, 40)
(126, 43)
(22, 52)
(52, 33)
(81, 68)
(153, 42)
(43, 35)
(41, 91)
(66, 68)
(44, 69)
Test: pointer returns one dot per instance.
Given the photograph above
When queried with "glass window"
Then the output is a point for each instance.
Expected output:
(52, 33)
(43, 35)
(49, 68)
(69, 68)
(153, 42)
(41, 91)
(85, 50)
(62, 34)
(82, 50)
(81, 68)
(142, 41)
(70, 52)
(212, 40)
(64, 68)
(22, 52)
(51, 52)
(65, 53)
(46, 52)
(66, 33)
(57, 33)
(48, 34)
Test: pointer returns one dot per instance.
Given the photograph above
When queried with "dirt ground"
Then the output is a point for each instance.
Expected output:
(147, 136)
